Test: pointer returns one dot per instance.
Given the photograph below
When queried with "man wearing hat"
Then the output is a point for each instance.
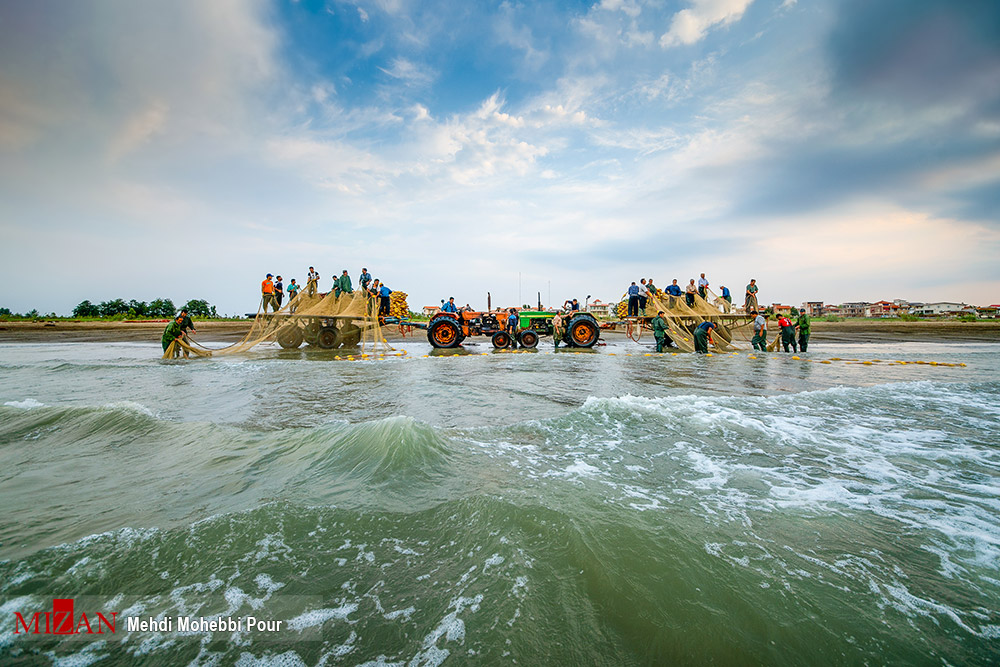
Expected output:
(267, 294)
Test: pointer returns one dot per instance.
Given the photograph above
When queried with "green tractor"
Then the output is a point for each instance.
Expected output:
(448, 330)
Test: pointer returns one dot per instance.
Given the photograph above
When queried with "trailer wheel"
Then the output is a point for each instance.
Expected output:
(350, 335)
(528, 338)
(328, 338)
(311, 331)
(290, 337)
(501, 339)
(583, 332)
(444, 334)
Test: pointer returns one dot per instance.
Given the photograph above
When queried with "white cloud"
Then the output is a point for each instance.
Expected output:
(409, 72)
(138, 130)
(690, 25)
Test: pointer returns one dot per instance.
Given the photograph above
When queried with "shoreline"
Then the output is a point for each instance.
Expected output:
(845, 331)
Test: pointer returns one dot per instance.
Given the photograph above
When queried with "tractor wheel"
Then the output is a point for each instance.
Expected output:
(501, 339)
(583, 332)
(444, 333)
(311, 331)
(290, 337)
(328, 338)
(350, 335)
(528, 338)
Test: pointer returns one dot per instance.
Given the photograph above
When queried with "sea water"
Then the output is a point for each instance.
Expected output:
(610, 507)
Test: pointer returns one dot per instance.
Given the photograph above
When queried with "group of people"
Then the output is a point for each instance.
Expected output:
(638, 295)
(787, 327)
(273, 291)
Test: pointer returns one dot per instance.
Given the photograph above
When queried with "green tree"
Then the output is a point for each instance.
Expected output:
(114, 307)
(198, 308)
(86, 309)
(161, 308)
(138, 308)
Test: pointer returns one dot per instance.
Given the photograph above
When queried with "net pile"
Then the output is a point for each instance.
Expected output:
(683, 319)
(349, 320)
(397, 305)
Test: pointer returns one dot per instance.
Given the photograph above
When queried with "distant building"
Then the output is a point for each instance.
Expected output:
(599, 308)
(991, 312)
(780, 309)
(813, 308)
(943, 308)
(882, 309)
(854, 308)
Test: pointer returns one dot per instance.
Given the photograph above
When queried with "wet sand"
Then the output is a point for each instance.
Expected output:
(847, 331)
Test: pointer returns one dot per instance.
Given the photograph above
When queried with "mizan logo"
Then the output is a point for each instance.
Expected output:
(61, 621)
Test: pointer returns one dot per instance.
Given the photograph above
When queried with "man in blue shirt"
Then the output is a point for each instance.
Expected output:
(364, 279)
(512, 326)
(633, 300)
(674, 291)
(702, 337)
(450, 306)
(383, 300)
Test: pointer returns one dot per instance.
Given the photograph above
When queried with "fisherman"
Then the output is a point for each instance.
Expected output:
(383, 300)
(267, 293)
(650, 287)
(690, 290)
(557, 328)
(802, 323)
(787, 333)
(172, 333)
(512, 326)
(342, 285)
(759, 340)
(450, 306)
(703, 336)
(633, 300)
(364, 279)
(660, 332)
(726, 295)
(279, 293)
(293, 291)
(702, 286)
(674, 291)
(186, 324)
(750, 305)
(643, 295)
(312, 280)
(573, 305)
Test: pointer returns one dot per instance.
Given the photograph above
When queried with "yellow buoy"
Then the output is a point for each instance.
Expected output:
(796, 358)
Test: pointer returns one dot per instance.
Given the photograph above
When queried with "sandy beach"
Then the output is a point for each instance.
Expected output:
(846, 331)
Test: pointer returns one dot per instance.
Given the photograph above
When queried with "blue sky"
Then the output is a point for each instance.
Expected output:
(833, 150)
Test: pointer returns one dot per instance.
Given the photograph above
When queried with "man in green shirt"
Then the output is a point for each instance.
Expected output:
(803, 326)
(171, 333)
(660, 332)
(343, 284)
(558, 329)
(750, 304)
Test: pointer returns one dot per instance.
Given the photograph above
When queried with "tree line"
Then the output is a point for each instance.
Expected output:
(157, 308)
(122, 309)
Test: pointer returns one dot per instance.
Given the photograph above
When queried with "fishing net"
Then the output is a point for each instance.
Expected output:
(732, 328)
(349, 320)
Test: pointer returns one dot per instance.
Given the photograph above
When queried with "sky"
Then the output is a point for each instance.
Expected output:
(835, 150)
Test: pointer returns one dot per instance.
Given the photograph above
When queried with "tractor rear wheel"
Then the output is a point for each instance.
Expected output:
(583, 332)
(328, 338)
(290, 337)
(528, 338)
(444, 334)
(501, 339)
